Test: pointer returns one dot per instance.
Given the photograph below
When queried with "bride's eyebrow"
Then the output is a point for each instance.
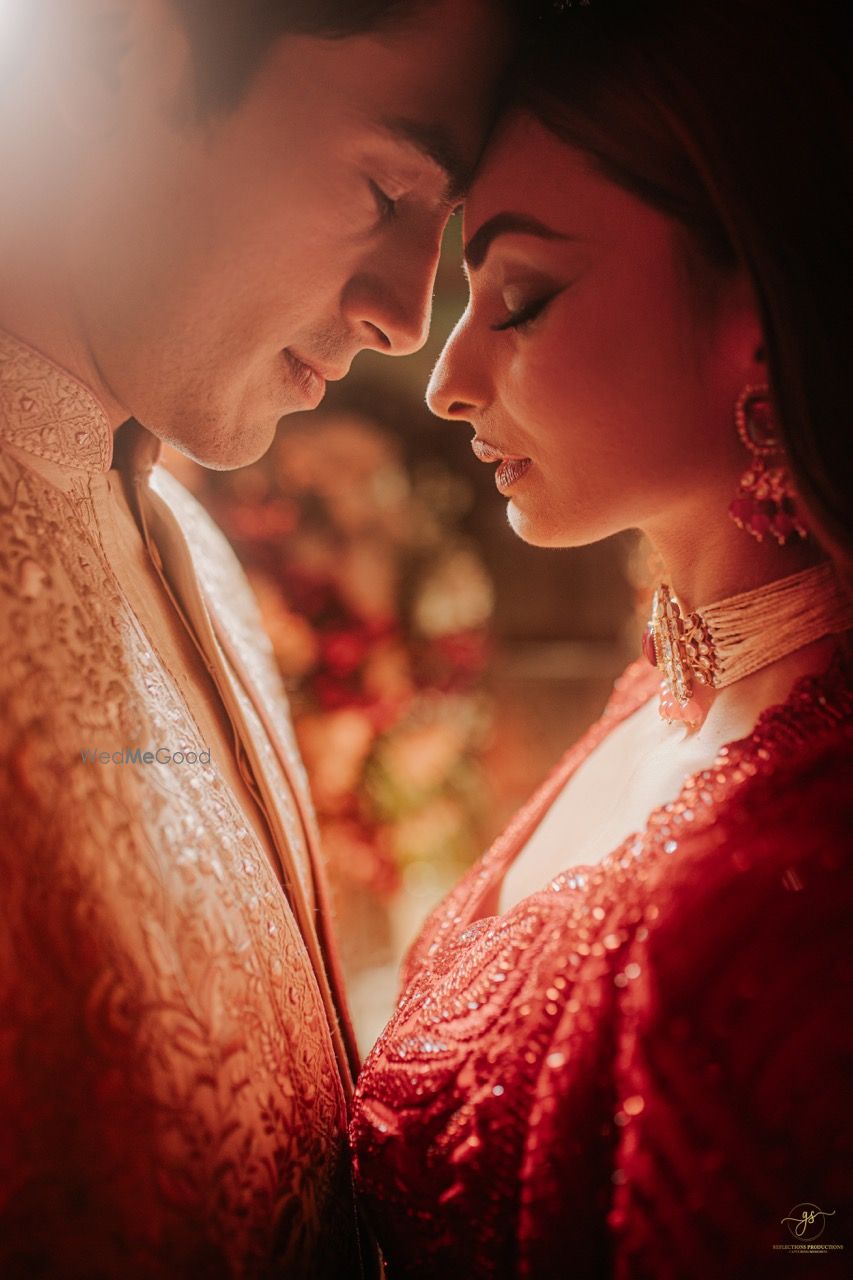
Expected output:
(506, 224)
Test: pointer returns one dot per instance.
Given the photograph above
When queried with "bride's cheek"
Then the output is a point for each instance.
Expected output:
(517, 391)
(540, 376)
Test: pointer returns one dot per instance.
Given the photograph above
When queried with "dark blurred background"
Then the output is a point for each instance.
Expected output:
(438, 666)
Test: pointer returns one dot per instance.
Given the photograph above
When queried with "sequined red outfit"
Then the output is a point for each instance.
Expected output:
(640, 1071)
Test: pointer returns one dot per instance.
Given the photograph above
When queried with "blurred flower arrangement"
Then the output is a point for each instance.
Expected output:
(378, 612)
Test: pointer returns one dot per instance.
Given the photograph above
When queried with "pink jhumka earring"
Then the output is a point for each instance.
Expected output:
(765, 502)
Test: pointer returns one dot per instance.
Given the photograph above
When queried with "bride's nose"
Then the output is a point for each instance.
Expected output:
(456, 389)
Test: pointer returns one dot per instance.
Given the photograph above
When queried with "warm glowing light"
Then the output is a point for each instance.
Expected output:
(12, 15)
(7, 18)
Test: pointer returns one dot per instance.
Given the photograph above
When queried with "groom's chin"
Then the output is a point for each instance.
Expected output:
(223, 448)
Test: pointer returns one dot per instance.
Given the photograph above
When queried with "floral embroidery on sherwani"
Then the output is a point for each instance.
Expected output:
(172, 1101)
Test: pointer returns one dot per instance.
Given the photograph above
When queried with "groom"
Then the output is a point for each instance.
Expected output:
(208, 208)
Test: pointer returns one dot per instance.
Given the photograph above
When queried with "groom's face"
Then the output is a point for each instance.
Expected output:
(226, 267)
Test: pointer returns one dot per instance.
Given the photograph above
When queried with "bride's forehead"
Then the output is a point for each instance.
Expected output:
(526, 168)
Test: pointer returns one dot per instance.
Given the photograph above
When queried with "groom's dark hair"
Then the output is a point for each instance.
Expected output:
(230, 37)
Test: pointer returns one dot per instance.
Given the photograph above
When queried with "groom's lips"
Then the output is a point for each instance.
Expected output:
(306, 378)
(311, 376)
(511, 467)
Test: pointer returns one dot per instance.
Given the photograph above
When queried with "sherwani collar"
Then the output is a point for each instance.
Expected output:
(48, 413)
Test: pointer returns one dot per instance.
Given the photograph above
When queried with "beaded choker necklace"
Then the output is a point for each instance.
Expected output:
(724, 642)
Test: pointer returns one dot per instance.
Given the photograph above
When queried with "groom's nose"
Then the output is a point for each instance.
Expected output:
(388, 304)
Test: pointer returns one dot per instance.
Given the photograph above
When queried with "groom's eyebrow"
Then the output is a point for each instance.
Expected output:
(503, 224)
(436, 143)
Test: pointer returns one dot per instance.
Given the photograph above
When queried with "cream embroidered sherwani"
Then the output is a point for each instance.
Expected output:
(174, 1071)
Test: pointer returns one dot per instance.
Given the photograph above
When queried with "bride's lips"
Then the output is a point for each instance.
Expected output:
(511, 467)
(306, 377)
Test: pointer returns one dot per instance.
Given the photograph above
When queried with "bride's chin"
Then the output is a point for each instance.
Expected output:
(532, 527)
(521, 525)
(538, 530)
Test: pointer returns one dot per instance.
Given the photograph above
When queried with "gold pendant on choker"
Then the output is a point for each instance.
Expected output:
(728, 640)
(682, 649)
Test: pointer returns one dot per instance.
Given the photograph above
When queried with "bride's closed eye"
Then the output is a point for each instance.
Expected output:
(521, 315)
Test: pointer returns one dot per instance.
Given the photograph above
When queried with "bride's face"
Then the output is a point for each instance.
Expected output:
(599, 358)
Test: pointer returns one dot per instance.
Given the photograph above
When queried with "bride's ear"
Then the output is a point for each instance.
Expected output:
(740, 328)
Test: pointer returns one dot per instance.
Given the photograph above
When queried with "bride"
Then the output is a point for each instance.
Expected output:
(624, 1039)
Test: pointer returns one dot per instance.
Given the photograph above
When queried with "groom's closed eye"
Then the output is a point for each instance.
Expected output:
(434, 143)
(386, 205)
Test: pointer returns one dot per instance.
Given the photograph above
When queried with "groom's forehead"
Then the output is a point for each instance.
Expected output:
(430, 86)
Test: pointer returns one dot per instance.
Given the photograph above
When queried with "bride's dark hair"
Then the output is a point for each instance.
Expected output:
(736, 118)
